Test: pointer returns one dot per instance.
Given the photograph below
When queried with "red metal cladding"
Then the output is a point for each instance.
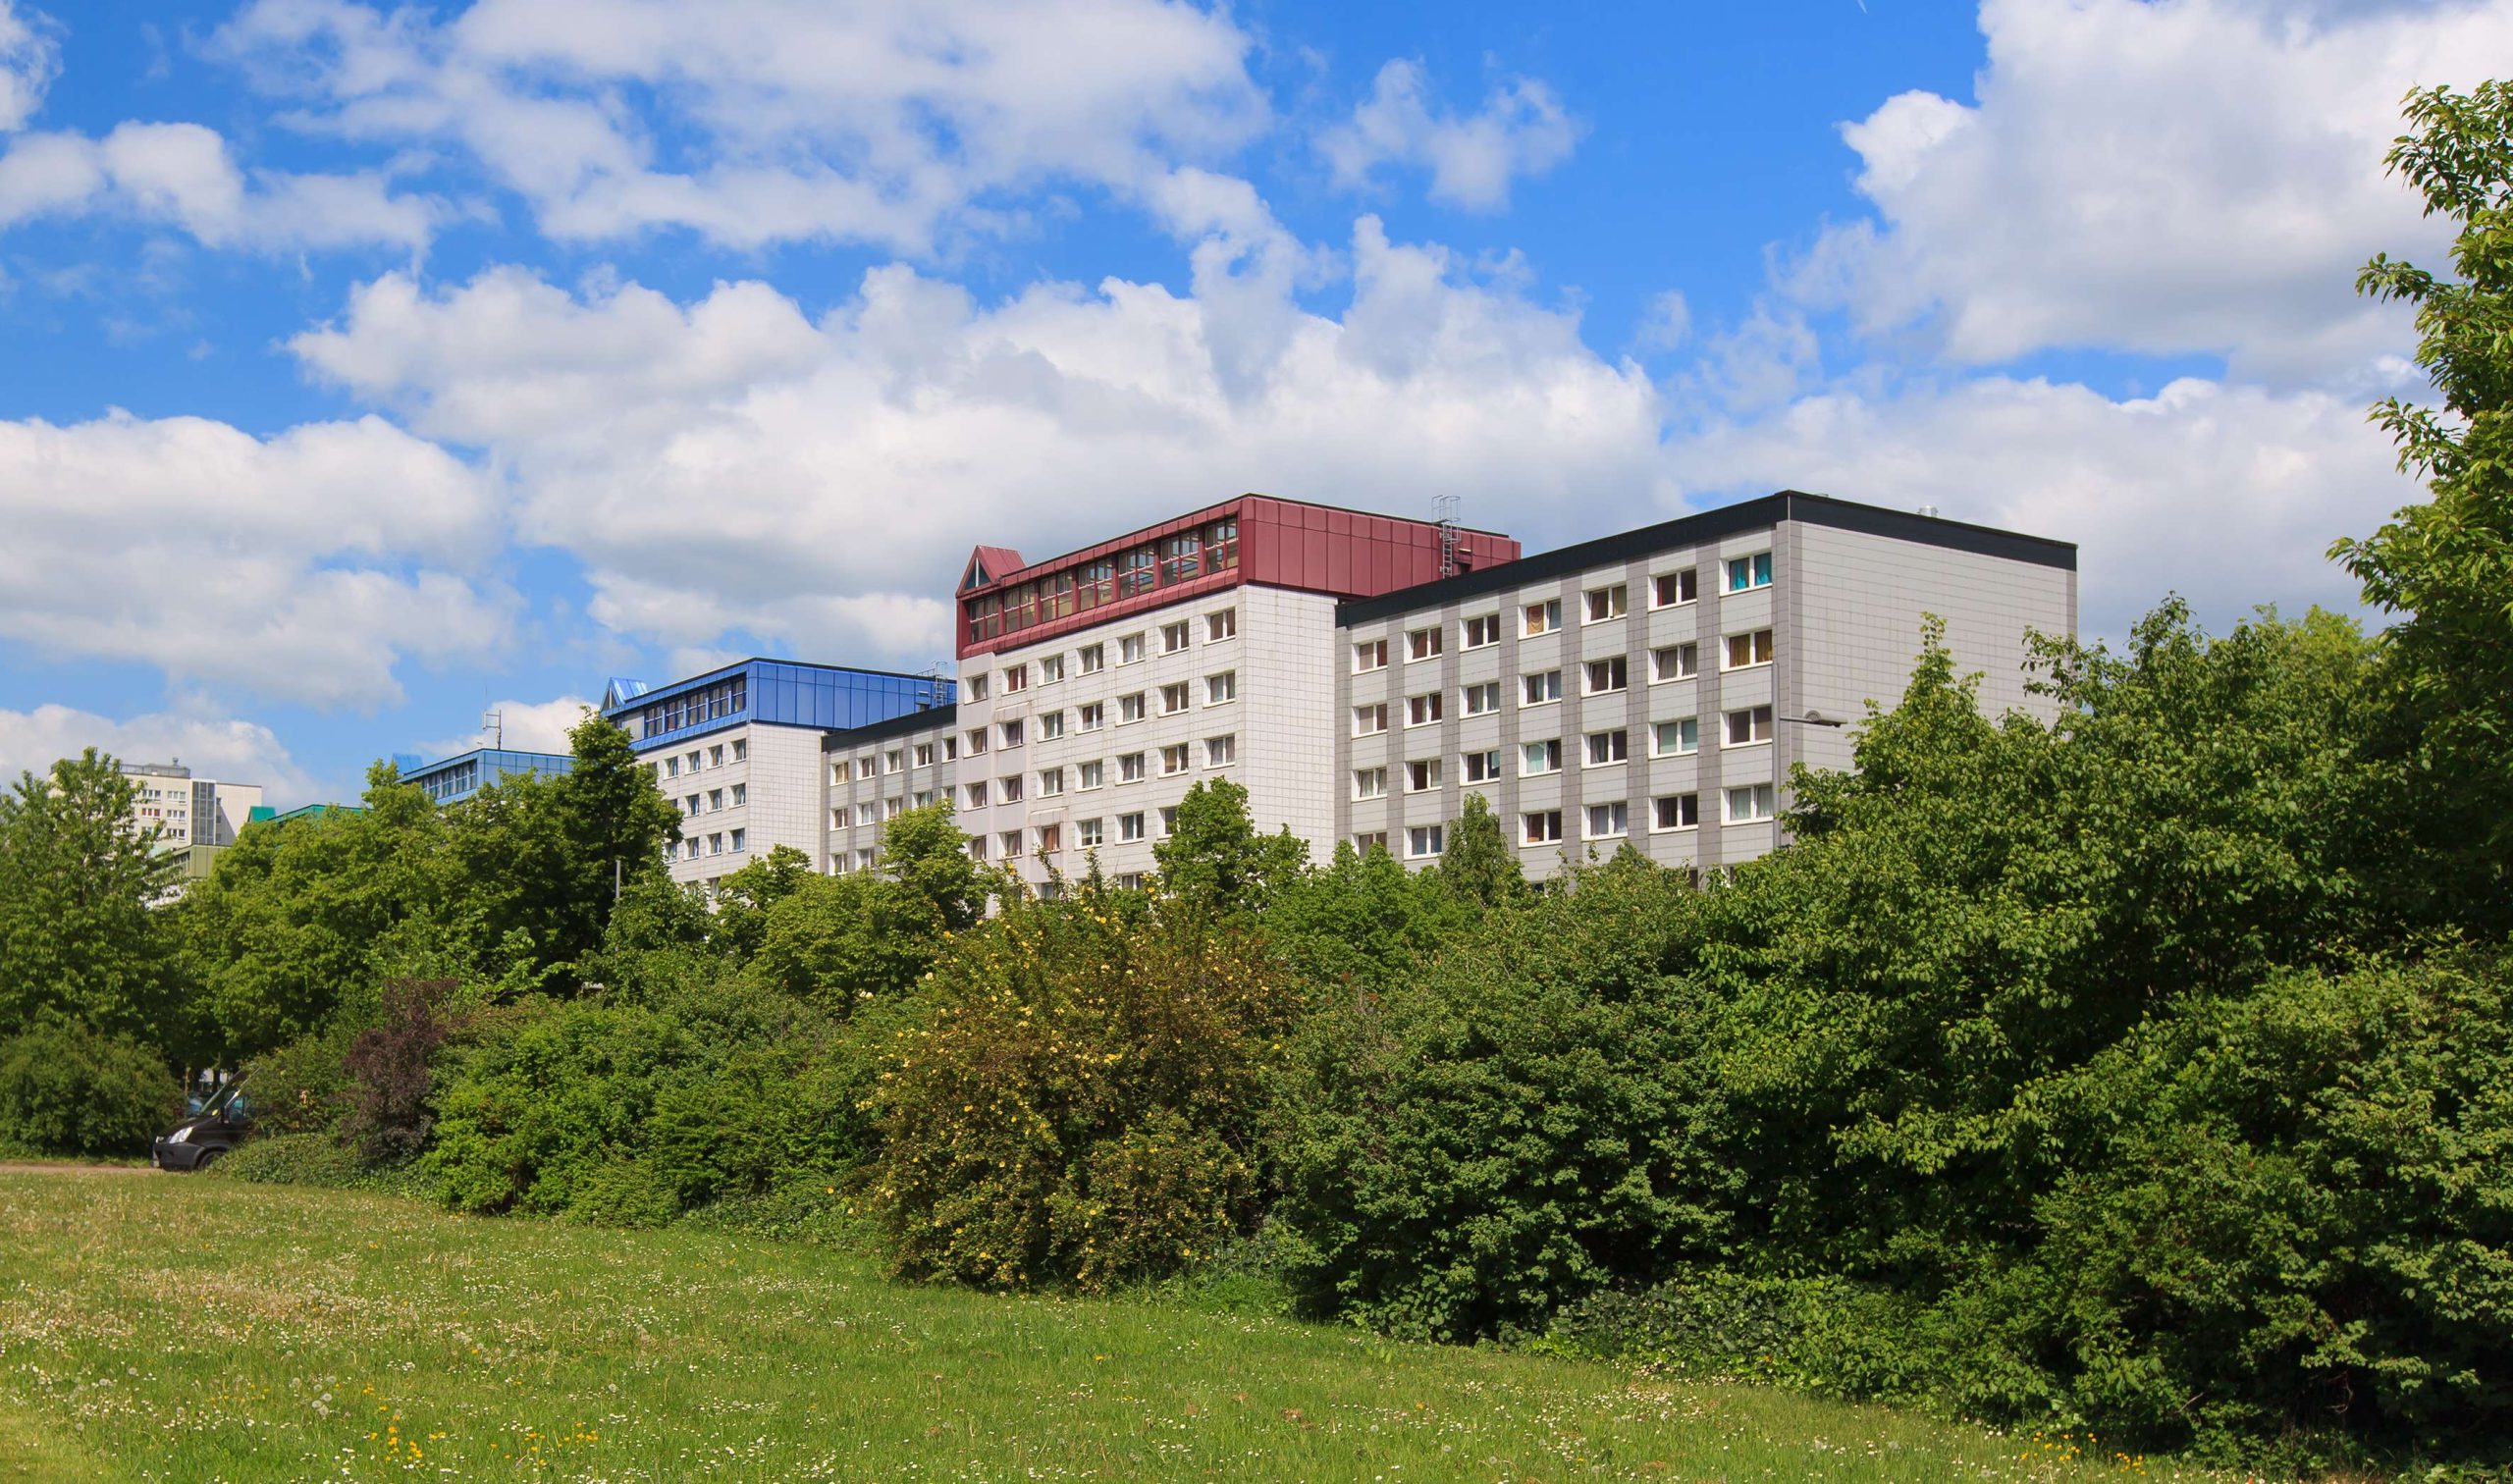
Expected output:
(1261, 539)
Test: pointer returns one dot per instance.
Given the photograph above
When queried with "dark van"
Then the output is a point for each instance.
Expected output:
(213, 1131)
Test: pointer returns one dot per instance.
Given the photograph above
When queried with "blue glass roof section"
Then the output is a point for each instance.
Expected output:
(786, 693)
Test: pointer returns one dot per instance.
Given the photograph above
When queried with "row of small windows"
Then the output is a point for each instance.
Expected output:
(717, 800)
(1670, 661)
(1167, 563)
(1173, 699)
(714, 703)
(720, 842)
(1092, 659)
(896, 759)
(698, 759)
(1601, 604)
(1174, 760)
(1678, 738)
(1612, 820)
(1598, 677)
(1087, 835)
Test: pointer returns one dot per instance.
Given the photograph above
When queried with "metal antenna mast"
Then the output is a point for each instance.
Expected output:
(492, 725)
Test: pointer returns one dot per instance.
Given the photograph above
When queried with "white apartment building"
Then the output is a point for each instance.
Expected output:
(187, 810)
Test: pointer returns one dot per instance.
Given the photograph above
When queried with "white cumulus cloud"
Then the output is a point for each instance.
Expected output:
(213, 747)
(521, 726)
(735, 467)
(772, 120)
(303, 566)
(28, 62)
(183, 176)
(2155, 176)
(1522, 129)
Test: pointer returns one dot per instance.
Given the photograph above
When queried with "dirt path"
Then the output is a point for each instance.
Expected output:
(65, 1167)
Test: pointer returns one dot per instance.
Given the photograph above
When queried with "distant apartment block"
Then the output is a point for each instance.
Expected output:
(193, 818)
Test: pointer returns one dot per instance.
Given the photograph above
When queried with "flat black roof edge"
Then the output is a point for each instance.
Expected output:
(893, 726)
(1711, 525)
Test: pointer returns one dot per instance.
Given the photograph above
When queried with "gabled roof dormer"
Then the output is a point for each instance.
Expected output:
(621, 689)
(988, 566)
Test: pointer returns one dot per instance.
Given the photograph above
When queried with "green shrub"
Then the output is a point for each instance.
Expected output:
(1824, 1335)
(68, 1089)
(1512, 1127)
(300, 1088)
(1082, 1105)
(294, 1159)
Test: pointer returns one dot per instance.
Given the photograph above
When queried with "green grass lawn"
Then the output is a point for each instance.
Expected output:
(171, 1328)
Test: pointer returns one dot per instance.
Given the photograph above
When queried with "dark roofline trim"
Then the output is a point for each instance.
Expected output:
(943, 717)
(1712, 525)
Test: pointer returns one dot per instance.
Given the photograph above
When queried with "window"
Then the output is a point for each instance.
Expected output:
(1010, 840)
(1747, 650)
(1540, 756)
(925, 754)
(1092, 774)
(1604, 675)
(690, 806)
(1607, 747)
(1676, 812)
(1482, 766)
(1422, 709)
(1174, 698)
(1222, 545)
(741, 794)
(1130, 708)
(672, 767)
(1748, 727)
(894, 760)
(1222, 689)
(1050, 838)
(1136, 572)
(868, 813)
(1007, 789)
(950, 749)
(1675, 662)
(1673, 589)
(1675, 739)
(1369, 782)
(864, 859)
(868, 767)
(1541, 617)
(1542, 828)
(1221, 752)
(1423, 840)
(924, 796)
(1601, 604)
(1180, 556)
(1130, 768)
(1095, 583)
(1745, 574)
(1484, 698)
(977, 741)
(1013, 731)
(1094, 658)
(1369, 720)
(1539, 688)
(1422, 775)
(1173, 758)
(715, 755)
(1421, 644)
(715, 800)
(1608, 821)
(1016, 677)
(1369, 654)
(741, 749)
(977, 687)
(1092, 717)
(1168, 821)
(1483, 630)
(1750, 802)
(1051, 725)
(738, 837)
(1173, 637)
(1130, 650)
(977, 847)
(1221, 625)
(976, 792)
(1375, 839)
(1087, 834)
(1050, 783)
(893, 808)
(1051, 669)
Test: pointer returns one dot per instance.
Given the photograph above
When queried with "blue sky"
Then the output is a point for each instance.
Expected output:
(369, 368)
